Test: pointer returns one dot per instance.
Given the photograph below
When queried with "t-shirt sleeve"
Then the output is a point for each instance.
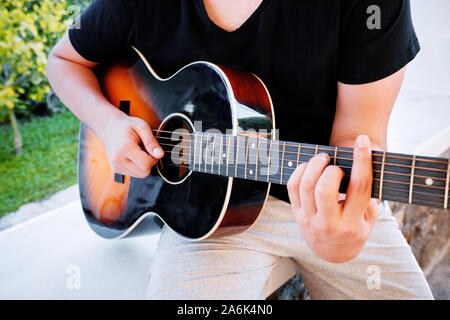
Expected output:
(104, 30)
(372, 49)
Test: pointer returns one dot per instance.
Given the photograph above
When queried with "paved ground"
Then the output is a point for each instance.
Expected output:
(57, 256)
(34, 209)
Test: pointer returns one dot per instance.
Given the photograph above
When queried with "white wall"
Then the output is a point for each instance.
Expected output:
(420, 121)
(430, 71)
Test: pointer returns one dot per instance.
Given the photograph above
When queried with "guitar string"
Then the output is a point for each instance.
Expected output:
(340, 158)
(302, 145)
(293, 169)
(341, 166)
(393, 198)
(344, 167)
(337, 158)
(375, 179)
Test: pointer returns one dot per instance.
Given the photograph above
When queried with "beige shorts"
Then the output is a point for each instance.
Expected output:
(239, 266)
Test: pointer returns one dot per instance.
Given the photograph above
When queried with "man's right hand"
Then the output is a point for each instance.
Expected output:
(131, 148)
(124, 137)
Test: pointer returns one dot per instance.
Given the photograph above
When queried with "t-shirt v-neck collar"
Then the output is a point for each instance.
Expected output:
(200, 6)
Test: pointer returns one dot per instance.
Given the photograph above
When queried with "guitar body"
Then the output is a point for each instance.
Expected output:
(194, 205)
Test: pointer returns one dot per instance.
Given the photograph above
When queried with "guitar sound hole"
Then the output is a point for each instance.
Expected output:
(174, 136)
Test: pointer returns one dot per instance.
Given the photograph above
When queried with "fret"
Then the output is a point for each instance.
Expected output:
(344, 160)
(200, 153)
(269, 160)
(213, 154)
(217, 153)
(257, 159)
(195, 151)
(220, 154)
(429, 181)
(252, 158)
(307, 152)
(206, 149)
(197, 135)
(282, 162)
(394, 177)
(289, 161)
(447, 183)
(228, 154)
(225, 156)
(389, 182)
(335, 155)
(246, 159)
(275, 165)
(411, 184)
(408, 179)
(241, 157)
(260, 156)
(193, 154)
(298, 154)
(231, 167)
(237, 154)
(206, 152)
(225, 144)
(382, 175)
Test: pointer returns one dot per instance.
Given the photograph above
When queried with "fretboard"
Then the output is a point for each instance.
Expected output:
(396, 177)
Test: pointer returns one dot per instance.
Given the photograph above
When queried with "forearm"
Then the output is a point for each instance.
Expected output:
(78, 88)
(365, 109)
(348, 125)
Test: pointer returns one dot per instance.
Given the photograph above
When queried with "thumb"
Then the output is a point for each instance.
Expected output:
(149, 141)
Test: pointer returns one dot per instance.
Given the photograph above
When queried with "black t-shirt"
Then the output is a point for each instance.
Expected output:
(299, 48)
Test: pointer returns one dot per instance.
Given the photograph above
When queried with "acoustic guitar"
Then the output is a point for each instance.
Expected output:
(216, 126)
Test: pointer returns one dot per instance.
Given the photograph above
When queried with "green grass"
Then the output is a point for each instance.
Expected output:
(48, 163)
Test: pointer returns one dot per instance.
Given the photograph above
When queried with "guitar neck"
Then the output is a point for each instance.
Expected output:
(396, 177)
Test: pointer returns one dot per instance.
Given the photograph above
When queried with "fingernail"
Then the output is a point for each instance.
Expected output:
(157, 152)
(363, 141)
(324, 156)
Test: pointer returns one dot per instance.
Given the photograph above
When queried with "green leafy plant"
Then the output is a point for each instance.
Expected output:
(28, 31)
